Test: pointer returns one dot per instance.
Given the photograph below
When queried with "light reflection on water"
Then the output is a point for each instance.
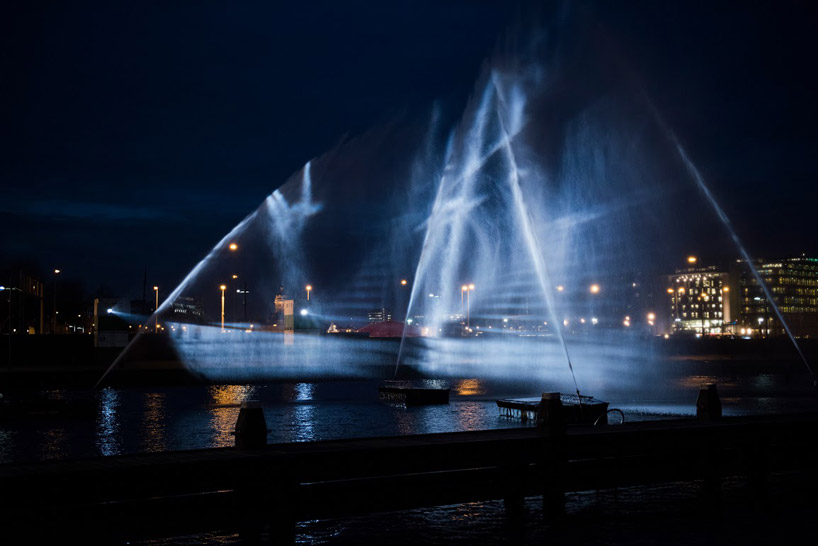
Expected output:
(304, 413)
(108, 440)
(224, 409)
(153, 424)
(53, 443)
(135, 420)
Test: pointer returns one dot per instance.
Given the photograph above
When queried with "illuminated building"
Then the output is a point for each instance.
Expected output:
(793, 285)
(713, 301)
(699, 301)
(380, 315)
(187, 309)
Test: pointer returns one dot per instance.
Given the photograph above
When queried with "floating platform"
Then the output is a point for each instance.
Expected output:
(413, 396)
(578, 410)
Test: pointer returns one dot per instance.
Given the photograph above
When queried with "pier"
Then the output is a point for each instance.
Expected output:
(271, 487)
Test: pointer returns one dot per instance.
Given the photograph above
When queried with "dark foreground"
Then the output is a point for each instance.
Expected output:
(684, 481)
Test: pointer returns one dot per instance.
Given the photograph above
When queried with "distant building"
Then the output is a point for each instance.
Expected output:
(110, 327)
(793, 285)
(380, 315)
(283, 313)
(698, 302)
(714, 301)
(187, 309)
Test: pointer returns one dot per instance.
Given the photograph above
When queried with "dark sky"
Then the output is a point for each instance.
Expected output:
(136, 136)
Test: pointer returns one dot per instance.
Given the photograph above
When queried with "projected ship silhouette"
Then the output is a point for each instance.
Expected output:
(521, 243)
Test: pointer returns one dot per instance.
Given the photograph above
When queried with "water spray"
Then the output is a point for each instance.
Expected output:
(531, 237)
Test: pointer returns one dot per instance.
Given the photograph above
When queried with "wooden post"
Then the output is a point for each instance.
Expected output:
(708, 409)
(551, 425)
(708, 405)
(251, 428)
(550, 415)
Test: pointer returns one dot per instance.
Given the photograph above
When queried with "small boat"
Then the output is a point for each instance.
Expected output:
(578, 410)
(410, 395)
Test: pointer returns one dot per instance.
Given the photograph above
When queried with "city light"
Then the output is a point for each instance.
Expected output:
(467, 288)
(223, 288)
(669, 290)
(594, 289)
(651, 316)
(156, 309)
(309, 288)
(692, 259)
(560, 288)
(304, 312)
(403, 282)
(233, 246)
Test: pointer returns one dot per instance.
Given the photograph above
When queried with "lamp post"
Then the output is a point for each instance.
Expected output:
(223, 288)
(309, 288)
(156, 310)
(54, 317)
(469, 289)
(234, 290)
(243, 293)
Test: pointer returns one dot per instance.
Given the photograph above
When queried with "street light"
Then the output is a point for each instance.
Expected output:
(594, 288)
(309, 288)
(468, 290)
(223, 288)
(54, 318)
(156, 310)
(234, 290)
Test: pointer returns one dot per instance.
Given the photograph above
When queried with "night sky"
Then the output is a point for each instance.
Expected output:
(135, 137)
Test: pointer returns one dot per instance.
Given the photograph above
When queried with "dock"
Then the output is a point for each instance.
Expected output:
(577, 409)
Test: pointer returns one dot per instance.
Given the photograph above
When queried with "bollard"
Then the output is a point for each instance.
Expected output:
(251, 428)
(551, 425)
(550, 415)
(708, 405)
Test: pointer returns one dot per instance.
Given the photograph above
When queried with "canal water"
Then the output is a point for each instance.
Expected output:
(152, 419)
